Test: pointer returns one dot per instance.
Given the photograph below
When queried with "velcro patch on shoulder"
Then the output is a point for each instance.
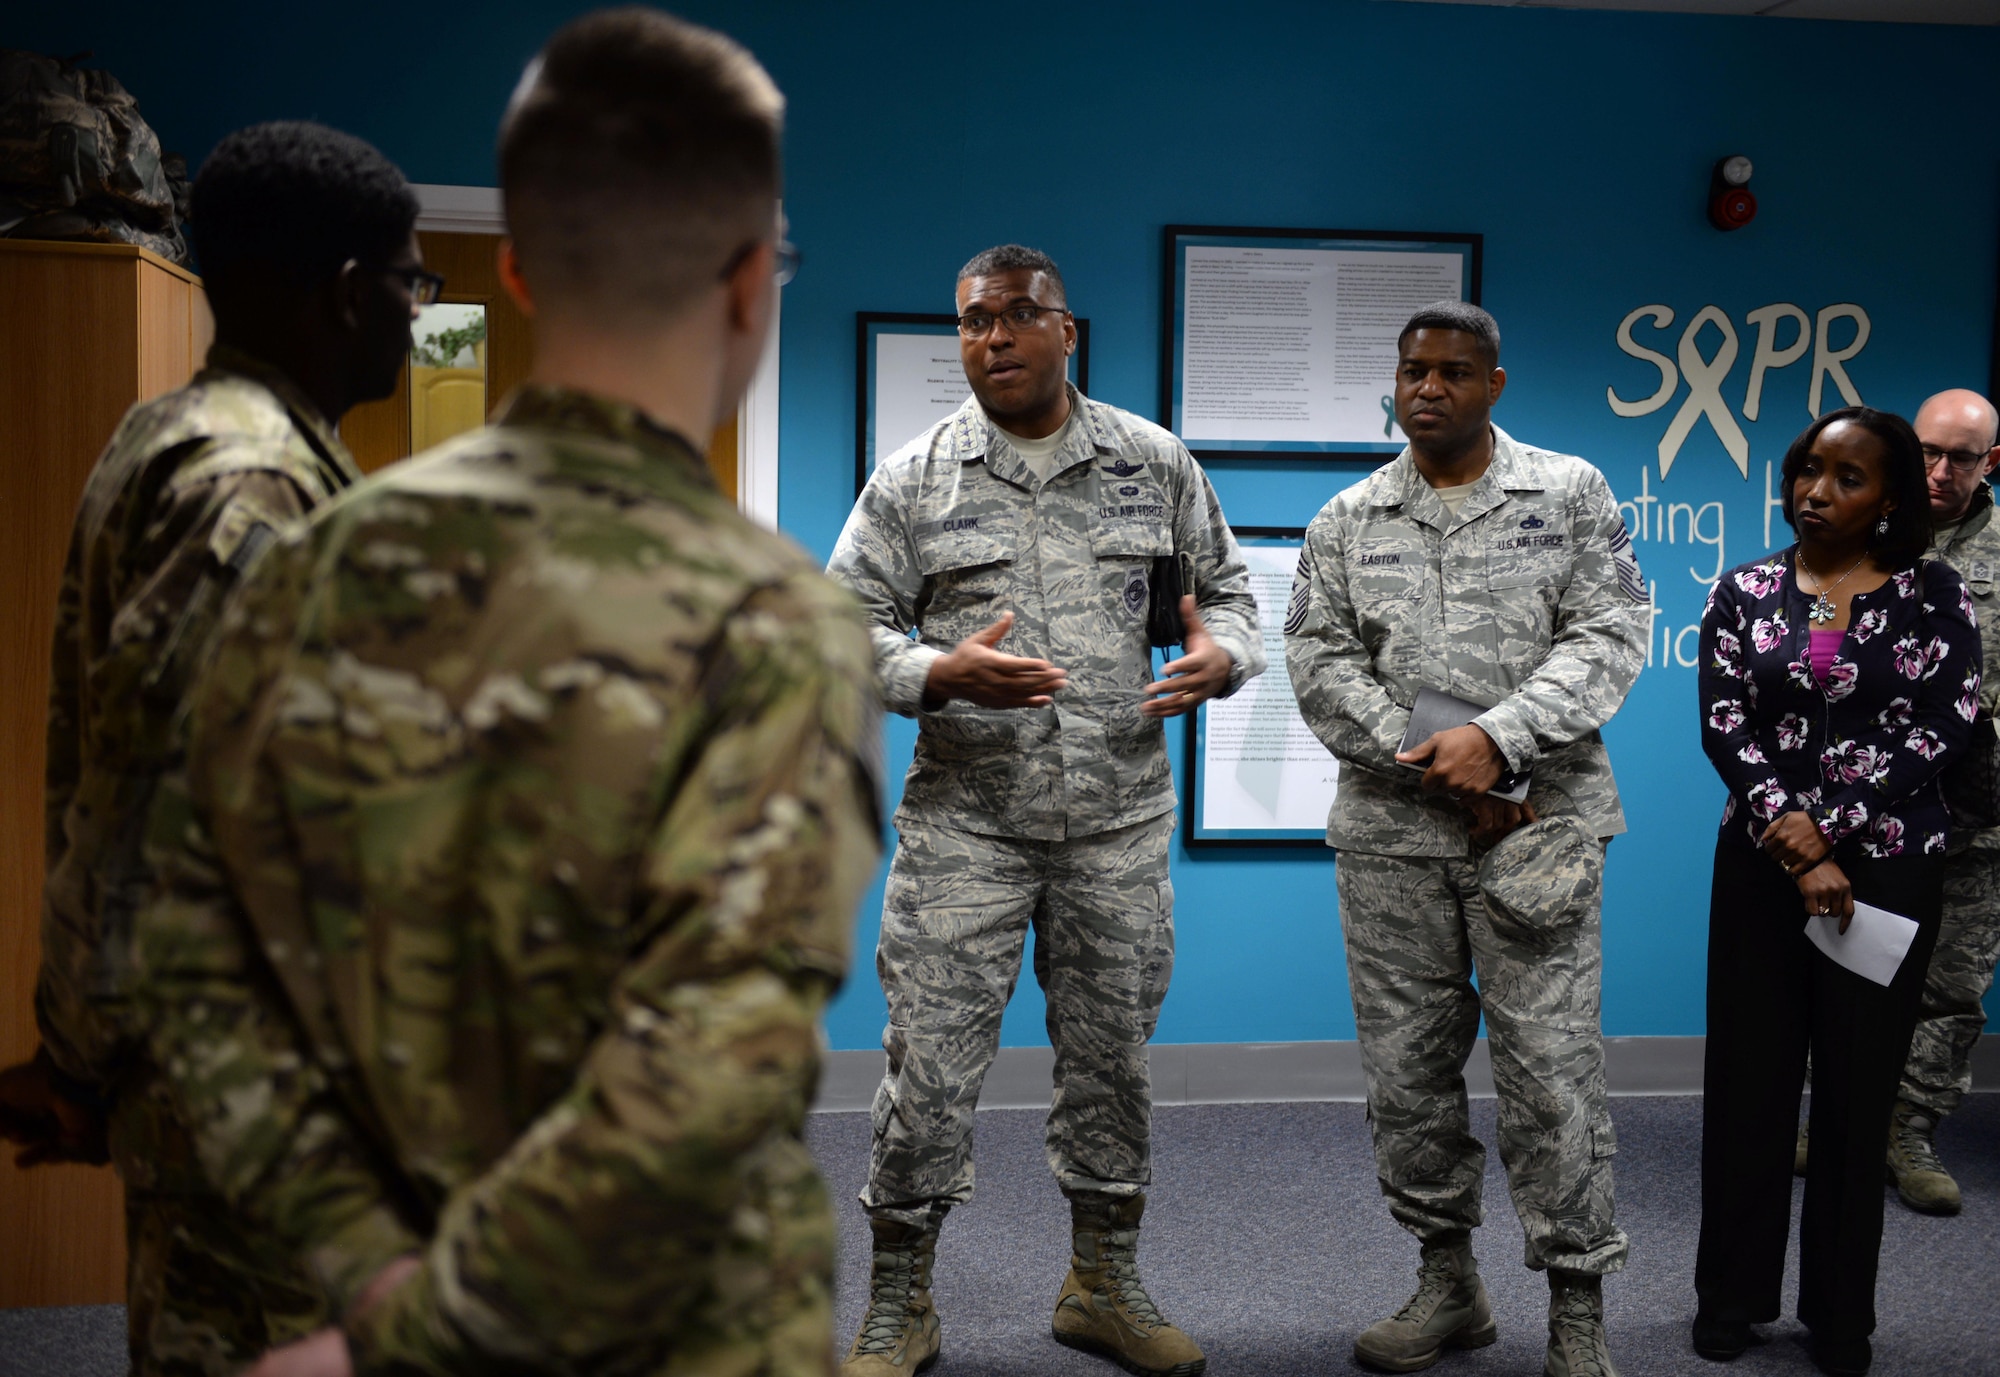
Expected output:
(241, 534)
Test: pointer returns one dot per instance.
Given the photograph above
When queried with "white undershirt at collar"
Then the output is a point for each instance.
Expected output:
(1039, 455)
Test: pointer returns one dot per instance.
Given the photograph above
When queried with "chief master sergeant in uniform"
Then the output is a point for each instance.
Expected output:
(530, 796)
(1018, 537)
(1500, 574)
(306, 241)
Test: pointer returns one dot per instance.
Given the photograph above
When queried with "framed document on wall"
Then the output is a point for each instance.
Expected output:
(1281, 343)
(908, 377)
(1256, 775)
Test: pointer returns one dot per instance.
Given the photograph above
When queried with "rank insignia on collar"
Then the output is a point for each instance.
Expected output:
(1123, 468)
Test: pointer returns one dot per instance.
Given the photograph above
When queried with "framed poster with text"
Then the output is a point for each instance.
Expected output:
(908, 378)
(1256, 775)
(1281, 343)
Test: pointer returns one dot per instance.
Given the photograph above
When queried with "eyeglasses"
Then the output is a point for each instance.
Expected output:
(977, 324)
(1961, 461)
(425, 287)
(785, 261)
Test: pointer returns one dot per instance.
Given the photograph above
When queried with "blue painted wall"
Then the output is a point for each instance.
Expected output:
(1578, 143)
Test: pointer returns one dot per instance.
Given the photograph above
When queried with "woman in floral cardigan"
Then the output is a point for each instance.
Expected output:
(1838, 677)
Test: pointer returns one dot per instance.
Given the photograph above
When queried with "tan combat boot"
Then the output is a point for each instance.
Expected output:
(1449, 1310)
(1577, 1347)
(1920, 1177)
(1104, 1308)
(899, 1334)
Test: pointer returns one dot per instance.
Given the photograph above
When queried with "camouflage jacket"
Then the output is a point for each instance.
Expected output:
(954, 528)
(528, 805)
(192, 486)
(1973, 549)
(1528, 601)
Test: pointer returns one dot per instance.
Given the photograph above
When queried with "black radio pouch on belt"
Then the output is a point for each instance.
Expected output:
(1173, 579)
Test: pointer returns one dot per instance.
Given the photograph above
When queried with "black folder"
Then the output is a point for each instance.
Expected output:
(1435, 712)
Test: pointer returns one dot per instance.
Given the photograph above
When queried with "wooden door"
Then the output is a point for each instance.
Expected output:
(378, 433)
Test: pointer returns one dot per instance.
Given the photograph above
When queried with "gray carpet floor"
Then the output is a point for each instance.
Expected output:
(1266, 1239)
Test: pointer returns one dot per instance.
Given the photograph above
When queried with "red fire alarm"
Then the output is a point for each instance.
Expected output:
(1731, 203)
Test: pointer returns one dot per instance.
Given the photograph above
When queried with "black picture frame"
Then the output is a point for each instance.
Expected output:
(1176, 239)
(869, 326)
(1194, 834)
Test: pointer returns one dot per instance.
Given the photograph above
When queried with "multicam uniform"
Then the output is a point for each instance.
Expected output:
(537, 796)
(1528, 599)
(1055, 817)
(1939, 1070)
(191, 488)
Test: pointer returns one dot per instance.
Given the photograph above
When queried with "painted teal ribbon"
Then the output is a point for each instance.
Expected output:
(1389, 413)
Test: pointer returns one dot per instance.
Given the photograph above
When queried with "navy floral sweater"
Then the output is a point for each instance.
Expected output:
(1861, 754)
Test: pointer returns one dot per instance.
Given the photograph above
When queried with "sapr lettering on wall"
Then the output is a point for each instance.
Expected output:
(1705, 373)
(1695, 373)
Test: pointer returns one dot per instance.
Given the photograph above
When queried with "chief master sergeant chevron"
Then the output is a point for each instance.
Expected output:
(1504, 575)
(1018, 538)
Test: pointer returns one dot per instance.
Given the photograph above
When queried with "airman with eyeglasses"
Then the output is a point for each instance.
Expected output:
(1022, 541)
(1956, 429)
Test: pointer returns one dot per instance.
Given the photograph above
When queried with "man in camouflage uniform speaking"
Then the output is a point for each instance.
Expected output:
(305, 239)
(1018, 537)
(1502, 575)
(529, 801)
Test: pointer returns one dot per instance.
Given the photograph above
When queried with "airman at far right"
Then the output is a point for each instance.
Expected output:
(1957, 430)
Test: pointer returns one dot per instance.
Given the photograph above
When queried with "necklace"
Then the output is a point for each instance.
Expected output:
(1821, 612)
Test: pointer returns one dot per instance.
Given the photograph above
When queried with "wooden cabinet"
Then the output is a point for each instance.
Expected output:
(86, 331)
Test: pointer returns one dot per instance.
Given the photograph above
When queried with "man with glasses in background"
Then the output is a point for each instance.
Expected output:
(306, 240)
(1023, 539)
(1957, 430)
